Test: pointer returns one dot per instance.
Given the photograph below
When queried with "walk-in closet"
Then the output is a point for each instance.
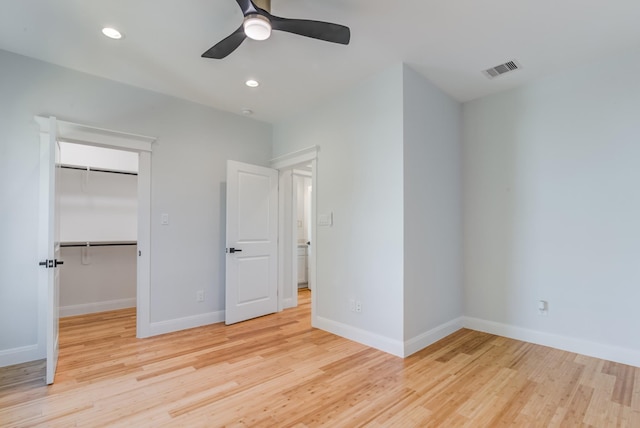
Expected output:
(98, 228)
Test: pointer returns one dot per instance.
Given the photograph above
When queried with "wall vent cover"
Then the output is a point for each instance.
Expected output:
(501, 69)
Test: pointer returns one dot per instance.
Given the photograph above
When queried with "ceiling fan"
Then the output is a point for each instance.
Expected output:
(258, 23)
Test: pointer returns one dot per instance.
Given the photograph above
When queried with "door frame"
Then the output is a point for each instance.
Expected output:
(141, 144)
(285, 164)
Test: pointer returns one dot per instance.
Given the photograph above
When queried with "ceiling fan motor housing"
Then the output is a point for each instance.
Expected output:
(263, 4)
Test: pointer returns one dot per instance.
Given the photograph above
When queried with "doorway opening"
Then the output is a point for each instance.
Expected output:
(98, 208)
(298, 248)
(302, 194)
(51, 132)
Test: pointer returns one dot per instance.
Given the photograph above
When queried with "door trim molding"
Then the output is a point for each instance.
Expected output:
(292, 159)
(93, 136)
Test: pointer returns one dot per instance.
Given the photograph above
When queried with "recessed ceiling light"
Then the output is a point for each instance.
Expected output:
(252, 83)
(247, 112)
(112, 33)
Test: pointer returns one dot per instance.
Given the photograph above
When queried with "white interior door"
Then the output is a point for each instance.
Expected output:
(252, 242)
(49, 237)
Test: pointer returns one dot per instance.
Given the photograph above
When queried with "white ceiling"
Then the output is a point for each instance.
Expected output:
(447, 41)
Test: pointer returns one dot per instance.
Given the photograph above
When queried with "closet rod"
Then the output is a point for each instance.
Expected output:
(97, 244)
(79, 168)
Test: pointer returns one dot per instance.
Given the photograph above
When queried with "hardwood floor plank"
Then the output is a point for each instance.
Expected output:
(623, 388)
(279, 371)
(576, 411)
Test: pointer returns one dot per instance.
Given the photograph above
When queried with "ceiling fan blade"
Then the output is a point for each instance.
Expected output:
(326, 31)
(247, 6)
(226, 46)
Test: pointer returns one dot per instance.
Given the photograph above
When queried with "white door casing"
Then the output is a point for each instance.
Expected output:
(49, 242)
(252, 242)
(309, 204)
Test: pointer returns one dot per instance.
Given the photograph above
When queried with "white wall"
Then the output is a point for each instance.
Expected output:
(188, 182)
(552, 210)
(105, 282)
(359, 180)
(100, 207)
(432, 212)
(98, 157)
(389, 171)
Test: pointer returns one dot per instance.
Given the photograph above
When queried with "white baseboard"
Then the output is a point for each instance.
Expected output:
(90, 308)
(23, 354)
(430, 337)
(169, 326)
(394, 347)
(565, 343)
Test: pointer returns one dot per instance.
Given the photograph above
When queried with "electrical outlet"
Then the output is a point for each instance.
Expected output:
(358, 306)
(200, 296)
(352, 305)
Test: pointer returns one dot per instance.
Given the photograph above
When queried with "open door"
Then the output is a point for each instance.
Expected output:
(252, 242)
(49, 241)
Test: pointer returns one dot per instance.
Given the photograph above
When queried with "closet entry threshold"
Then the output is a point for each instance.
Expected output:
(97, 244)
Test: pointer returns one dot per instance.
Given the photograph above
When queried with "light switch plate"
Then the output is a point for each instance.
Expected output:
(325, 219)
(164, 219)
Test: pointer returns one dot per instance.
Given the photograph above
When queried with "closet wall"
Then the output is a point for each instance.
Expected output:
(98, 206)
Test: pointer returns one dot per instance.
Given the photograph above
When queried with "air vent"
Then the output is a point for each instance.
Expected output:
(502, 69)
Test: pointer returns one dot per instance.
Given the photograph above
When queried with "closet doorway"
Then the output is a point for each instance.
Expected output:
(52, 131)
(98, 208)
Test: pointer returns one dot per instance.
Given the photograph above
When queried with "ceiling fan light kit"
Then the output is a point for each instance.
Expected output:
(257, 27)
(258, 23)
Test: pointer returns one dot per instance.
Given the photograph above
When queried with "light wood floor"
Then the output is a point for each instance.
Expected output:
(277, 371)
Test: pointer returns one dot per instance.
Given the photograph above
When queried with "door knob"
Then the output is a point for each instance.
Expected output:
(51, 263)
